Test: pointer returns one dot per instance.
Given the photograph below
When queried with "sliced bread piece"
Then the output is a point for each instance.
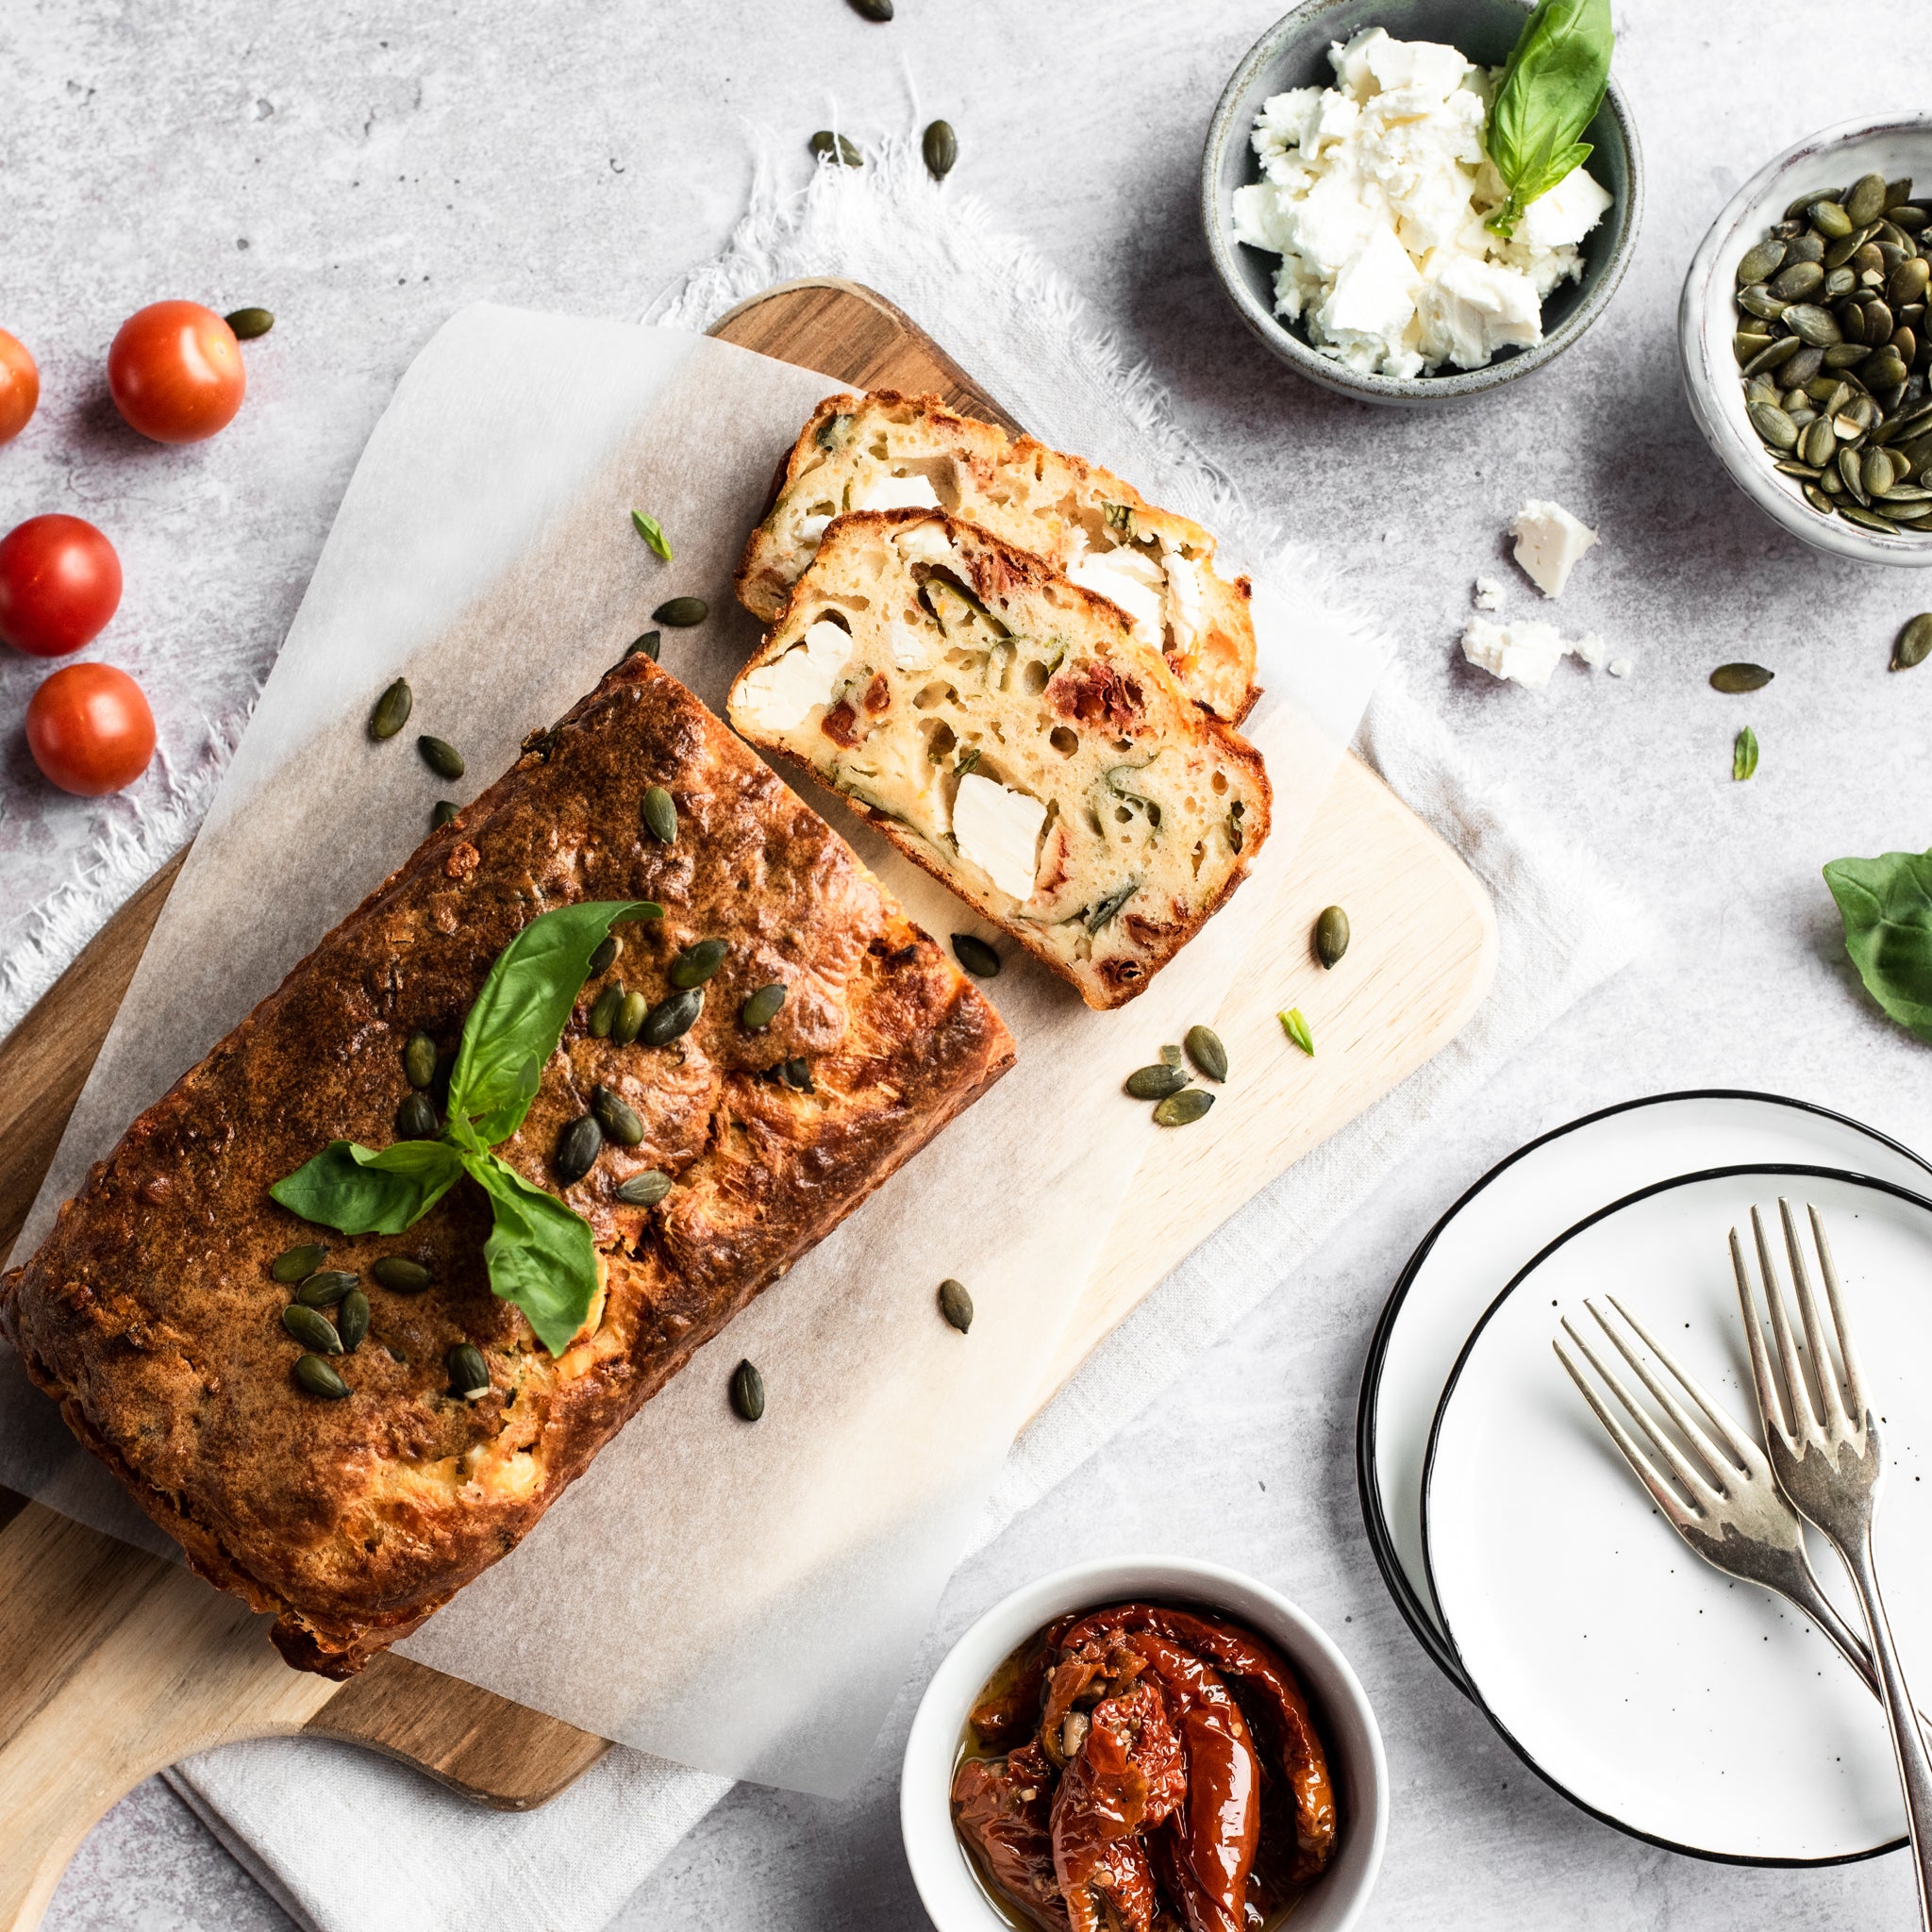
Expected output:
(1006, 729)
(891, 451)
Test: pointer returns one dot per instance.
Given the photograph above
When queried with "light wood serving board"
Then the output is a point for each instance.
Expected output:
(114, 1663)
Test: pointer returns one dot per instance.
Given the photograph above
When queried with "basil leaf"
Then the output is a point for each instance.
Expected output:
(652, 531)
(519, 1016)
(1551, 90)
(540, 1256)
(356, 1190)
(1885, 904)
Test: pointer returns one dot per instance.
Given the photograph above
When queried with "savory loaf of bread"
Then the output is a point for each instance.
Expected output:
(150, 1312)
(1006, 730)
(891, 451)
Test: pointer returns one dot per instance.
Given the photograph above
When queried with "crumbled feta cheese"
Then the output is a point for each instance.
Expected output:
(1548, 542)
(779, 696)
(810, 530)
(928, 540)
(1488, 594)
(1187, 601)
(1374, 195)
(1621, 667)
(1525, 652)
(998, 830)
(1133, 580)
(1591, 649)
(897, 492)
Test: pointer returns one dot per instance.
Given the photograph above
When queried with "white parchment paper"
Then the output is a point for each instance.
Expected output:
(742, 1599)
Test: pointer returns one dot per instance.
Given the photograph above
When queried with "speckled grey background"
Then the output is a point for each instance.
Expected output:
(363, 171)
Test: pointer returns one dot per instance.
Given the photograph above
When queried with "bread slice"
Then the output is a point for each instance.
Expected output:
(1006, 730)
(893, 452)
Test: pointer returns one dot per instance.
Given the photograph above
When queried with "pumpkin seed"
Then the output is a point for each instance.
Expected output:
(1294, 1024)
(1866, 200)
(1839, 283)
(976, 956)
(672, 1019)
(469, 1373)
(955, 1305)
(1744, 754)
(1205, 1049)
(1773, 424)
(325, 1288)
(1820, 442)
(698, 963)
(941, 147)
(645, 1189)
(1806, 363)
(578, 1148)
(1776, 357)
(1170, 1055)
(1898, 191)
(312, 1329)
(352, 1319)
(419, 1060)
(1874, 473)
(249, 323)
(1758, 300)
(1156, 1082)
(1879, 321)
(442, 756)
(1760, 263)
(1801, 279)
(1804, 471)
(1867, 519)
(796, 1074)
(401, 1275)
(1904, 345)
(1841, 357)
(1842, 249)
(296, 1264)
(603, 1014)
(880, 10)
(761, 1009)
(416, 1118)
(616, 1116)
(826, 145)
(681, 613)
(1806, 246)
(1849, 471)
(1811, 324)
(646, 646)
(1828, 218)
(1909, 218)
(1331, 935)
(445, 809)
(1914, 645)
(1745, 345)
(747, 1391)
(392, 711)
(1817, 498)
(1736, 677)
(660, 815)
(631, 1013)
(1184, 1108)
(316, 1378)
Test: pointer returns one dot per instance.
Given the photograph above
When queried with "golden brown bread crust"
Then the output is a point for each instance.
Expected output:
(149, 1312)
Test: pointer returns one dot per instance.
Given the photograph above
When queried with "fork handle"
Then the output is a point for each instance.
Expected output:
(1840, 1636)
(1908, 1742)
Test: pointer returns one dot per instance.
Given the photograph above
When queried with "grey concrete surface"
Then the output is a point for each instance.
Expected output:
(364, 170)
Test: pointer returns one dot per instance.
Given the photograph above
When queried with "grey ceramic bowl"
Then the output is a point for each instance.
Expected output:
(1294, 53)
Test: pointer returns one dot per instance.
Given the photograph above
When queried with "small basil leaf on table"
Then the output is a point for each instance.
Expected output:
(652, 531)
(540, 1256)
(359, 1191)
(1551, 90)
(1885, 904)
(1745, 754)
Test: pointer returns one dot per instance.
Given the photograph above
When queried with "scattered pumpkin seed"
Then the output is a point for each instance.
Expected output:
(325, 1288)
(1184, 1108)
(603, 1014)
(955, 1305)
(747, 1391)
(315, 1377)
(249, 323)
(645, 1189)
(1205, 1049)
(681, 613)
(1736, 677)
(826, 145)
(442, 756)
(1331, 936)
(880, 10)
(1296, 1025)
(445, 809)
(632, 1011)
(392, 711)
(941, 147)
(761, 1009)
(312, 1329)
(578, 1148)
(652, 531)
(698, 962)
(605, 957)
(352, 1319)
(648, 645)
(660, 815)
(401, 1275)
(419, 1060)
(296, 1264)
(976, 956)
(416, 1118)
(1171, 1056)
(469, 1373)
(796, 1074)
(616, 1116)
(1156, 1083)
(1744, 754)
(1914, 645)
(673, 1018)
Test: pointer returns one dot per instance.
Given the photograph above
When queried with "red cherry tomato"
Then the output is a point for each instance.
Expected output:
(89, 729)
(20, 386)
(60, 583)
(176, 370)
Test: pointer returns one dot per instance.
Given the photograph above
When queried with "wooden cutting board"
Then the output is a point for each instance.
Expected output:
(114, 1663)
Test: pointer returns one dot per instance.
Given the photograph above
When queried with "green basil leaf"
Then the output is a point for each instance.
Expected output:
(1885, 904)
(356, 1190)
(519, 1016)
(1551, 90)
(652, 531)
(540, 1256)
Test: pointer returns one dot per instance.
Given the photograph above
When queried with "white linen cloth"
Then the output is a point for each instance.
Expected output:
(399, 1852)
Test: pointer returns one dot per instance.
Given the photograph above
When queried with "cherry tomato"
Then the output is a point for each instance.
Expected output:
(60, 583)
(20, 386)
(89, 729)
(176, 370)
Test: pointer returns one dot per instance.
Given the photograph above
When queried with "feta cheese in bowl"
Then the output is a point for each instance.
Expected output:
(1347, 189)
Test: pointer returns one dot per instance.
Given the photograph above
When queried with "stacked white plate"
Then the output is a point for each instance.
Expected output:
(1681, 1706)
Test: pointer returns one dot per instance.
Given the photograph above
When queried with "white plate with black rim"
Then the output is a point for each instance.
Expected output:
(1513, 1211)
(1697, 1712)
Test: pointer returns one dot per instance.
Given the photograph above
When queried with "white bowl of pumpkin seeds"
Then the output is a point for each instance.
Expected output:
(1816, 271)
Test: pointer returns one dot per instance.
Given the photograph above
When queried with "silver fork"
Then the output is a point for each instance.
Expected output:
(1828, 1461)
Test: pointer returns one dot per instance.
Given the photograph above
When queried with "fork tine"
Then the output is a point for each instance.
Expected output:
(1769, 1411)
(1702, 1491)
(1797, 1396)
(1848, 1354)
(1662, 1494)
(1823, 1367)
(1740, 1445)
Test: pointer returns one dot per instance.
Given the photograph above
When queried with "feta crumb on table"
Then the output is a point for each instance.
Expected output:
(1549, 541)
(1529, 651)
(1487, 594)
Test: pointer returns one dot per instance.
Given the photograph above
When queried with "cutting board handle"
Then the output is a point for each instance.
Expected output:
(113, 1663)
